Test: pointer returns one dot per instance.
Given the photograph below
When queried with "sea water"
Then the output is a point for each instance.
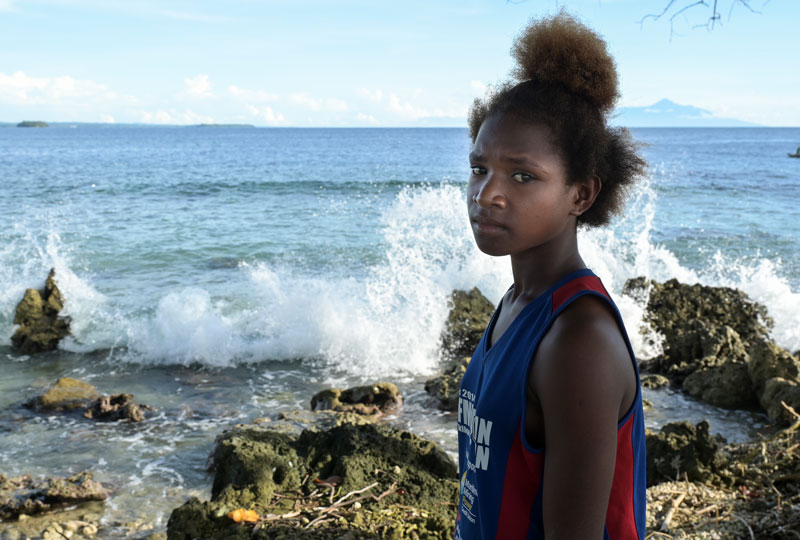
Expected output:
(223, 274)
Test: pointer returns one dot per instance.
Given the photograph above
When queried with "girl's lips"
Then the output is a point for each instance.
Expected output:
(487, 225)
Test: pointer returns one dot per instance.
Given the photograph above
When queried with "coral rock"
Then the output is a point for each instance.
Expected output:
(444, 387)
(116, 407)
(66, 394)
(468, 318)
(681, 448)
(40, 326)
(368, 400)
(23, 495)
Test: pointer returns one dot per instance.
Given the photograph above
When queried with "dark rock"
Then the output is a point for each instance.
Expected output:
(445, 387)
(775, 373)
(767, 361)
(681, 448)
(654, 382)
(368, 400)
(715, 343)
(692, 319)
(726, 386)
(40, 326)
(468, 318)
(776, 392)
(23, 495)
(66, 394)
(116, 407)
(290, 478)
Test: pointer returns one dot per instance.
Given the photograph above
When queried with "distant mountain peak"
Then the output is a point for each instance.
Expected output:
(667, 113)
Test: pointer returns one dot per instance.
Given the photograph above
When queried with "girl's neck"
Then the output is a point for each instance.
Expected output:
(537, 270)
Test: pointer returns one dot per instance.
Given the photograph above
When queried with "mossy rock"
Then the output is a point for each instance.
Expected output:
(702, 326)
(408, 486)
(65, 395)
(370, 399)
(778, 391)
(41, 327)
(683, 450)
(654, 382)
(673, 304)
(470, 313)
(444, 387)
(727, 386)
(24, 495)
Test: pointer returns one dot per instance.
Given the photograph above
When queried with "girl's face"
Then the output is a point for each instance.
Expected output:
(518, 197)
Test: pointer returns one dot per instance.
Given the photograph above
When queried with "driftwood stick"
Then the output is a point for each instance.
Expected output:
(354, 492)
(793, 413)
(674, 506)
(708, 508)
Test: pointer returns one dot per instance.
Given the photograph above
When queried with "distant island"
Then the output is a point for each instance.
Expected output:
(32, 123)
(667, 113)
(224, 126)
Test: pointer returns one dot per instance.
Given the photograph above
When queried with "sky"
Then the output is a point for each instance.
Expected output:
(369, 62)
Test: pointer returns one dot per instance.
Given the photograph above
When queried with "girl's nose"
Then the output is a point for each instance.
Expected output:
(489, 193)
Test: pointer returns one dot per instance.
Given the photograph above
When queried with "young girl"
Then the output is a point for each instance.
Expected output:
(551, 434)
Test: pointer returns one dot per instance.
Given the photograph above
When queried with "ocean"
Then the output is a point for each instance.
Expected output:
(223, 274)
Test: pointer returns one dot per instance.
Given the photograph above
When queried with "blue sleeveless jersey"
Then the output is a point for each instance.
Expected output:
(500, 472)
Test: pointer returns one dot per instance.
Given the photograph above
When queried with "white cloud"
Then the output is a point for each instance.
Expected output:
(478, 87)
(313, 104)
(406, 109)
(107, 119)
(7, 5)
(371, 95)
(366, 118)
(243, 94)
(197, 87)
(266, 113)
(175, 117)
(20, 89)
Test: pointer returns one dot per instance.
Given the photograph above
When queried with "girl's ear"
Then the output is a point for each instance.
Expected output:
(585, 194)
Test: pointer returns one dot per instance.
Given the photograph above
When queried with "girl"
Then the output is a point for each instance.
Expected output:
(551, 434)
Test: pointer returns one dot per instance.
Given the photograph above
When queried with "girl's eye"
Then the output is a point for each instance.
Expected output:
(477, 171)
(522, 177)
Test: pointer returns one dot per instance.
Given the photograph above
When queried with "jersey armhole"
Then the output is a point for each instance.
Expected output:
(529, 362)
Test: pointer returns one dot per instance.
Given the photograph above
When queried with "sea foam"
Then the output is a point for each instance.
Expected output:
(383, 321)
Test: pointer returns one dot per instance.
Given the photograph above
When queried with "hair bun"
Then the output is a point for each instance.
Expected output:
(562, 50)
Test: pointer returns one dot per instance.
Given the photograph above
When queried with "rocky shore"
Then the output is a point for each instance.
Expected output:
(340, 470)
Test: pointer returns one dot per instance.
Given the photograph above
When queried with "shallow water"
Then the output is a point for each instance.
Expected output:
(225, 275)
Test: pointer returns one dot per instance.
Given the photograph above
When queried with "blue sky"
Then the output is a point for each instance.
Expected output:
(366, 62)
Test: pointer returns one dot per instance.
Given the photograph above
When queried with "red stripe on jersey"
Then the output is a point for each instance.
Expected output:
(521, 484)
(568, 290)
(620, 518)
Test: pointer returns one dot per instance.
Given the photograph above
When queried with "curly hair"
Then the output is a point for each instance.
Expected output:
(566, 80)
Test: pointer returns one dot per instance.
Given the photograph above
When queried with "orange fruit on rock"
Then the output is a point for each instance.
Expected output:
(240, 514)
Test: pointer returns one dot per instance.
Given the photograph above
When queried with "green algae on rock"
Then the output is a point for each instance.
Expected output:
(40, 325)
(469, 316)
(65, 395)
(683, 450)
(717, 345)
(726, 386)
(351, 481)
(24, 495)
(369, 399)
(444, 387)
